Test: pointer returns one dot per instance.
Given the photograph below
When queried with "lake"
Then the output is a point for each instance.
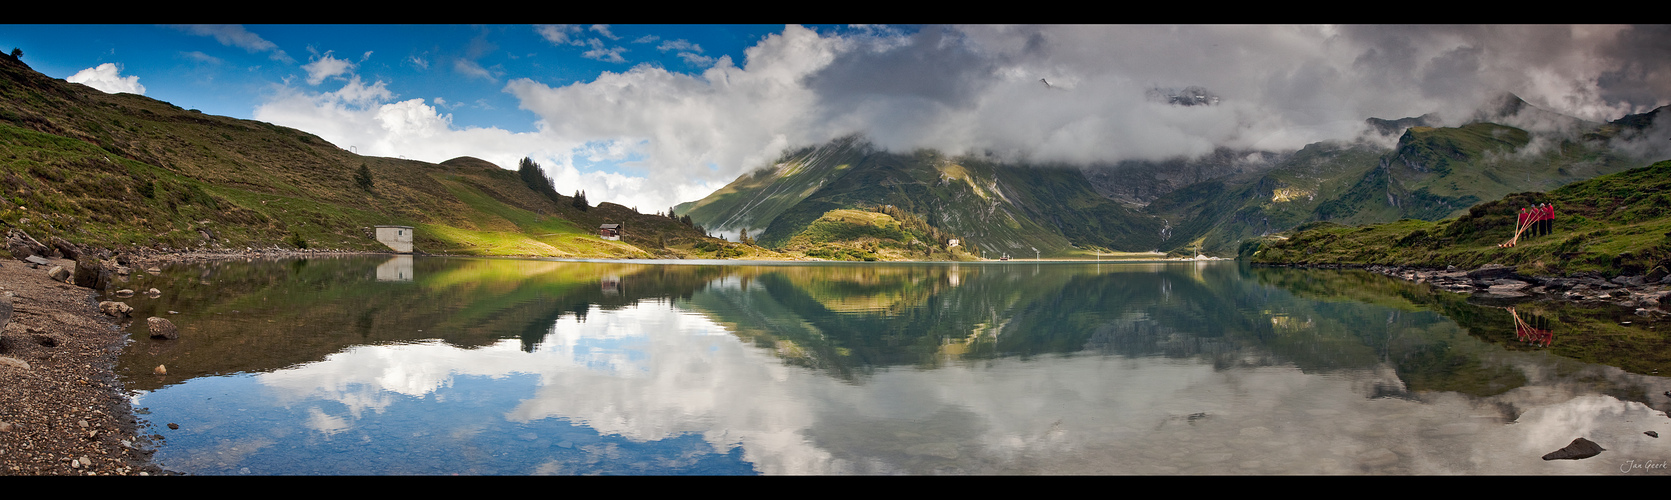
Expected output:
(435, 365)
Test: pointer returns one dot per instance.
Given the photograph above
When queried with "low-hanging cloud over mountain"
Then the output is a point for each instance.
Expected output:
(1058, 94)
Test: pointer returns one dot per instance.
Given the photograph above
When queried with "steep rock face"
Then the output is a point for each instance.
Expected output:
(1137, 183)
(1395, 128)
(755, 200)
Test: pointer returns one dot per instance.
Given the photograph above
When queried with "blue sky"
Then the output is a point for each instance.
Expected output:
(653, 115)
(466, 66)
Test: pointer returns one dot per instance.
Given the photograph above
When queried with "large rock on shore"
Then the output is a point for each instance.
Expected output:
(22, 246)
(58, 273)
(1656, 274)
(1491, 272)
(68, 250)
(91, 273)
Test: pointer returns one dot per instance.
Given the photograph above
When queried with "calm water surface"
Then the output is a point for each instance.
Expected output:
(403, 365)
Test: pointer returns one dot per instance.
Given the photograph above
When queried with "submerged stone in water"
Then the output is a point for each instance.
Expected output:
(162, 328)
(115, 309)
(1579, 449)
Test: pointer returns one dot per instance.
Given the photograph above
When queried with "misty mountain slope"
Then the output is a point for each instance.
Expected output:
(1432, 173)
(754, 200)
(1435, 173)
(1216, 215)
(1136, 183)
(994, 207)
(968, 199)
(1064, 199)
(1394, 128)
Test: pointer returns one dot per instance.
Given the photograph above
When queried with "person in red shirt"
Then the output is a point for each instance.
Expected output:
(1525, 222)
(1549, 218)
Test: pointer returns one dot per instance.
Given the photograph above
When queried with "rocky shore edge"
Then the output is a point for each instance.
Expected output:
(1647, 295)
(62, 409)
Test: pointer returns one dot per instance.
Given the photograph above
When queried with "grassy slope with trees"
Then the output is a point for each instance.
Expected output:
(123, 170)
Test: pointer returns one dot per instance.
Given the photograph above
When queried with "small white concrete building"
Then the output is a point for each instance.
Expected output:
(398, 238)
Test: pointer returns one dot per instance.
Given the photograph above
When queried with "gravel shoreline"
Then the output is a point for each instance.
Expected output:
(1648, 295)
(62, 409)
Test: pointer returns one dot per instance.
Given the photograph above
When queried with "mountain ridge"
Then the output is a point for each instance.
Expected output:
(1208, 204)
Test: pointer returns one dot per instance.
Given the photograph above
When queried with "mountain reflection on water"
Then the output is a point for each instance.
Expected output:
(430, 365)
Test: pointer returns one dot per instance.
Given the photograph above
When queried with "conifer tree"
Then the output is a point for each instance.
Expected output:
(363, 178)
(534, 177)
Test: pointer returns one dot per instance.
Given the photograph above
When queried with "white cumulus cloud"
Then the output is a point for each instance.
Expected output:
(977, 89)
(326, 66)
(108, 78)
(375, 122)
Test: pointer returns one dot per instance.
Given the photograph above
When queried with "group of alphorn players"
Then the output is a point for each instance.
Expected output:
(1536, 332)
(1534, 221)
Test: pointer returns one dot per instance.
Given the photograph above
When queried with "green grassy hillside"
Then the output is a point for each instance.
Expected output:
(865, 235)
(1614, 224)
(122, 170)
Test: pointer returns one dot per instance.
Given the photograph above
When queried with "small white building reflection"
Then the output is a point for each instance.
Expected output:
(398, 268)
